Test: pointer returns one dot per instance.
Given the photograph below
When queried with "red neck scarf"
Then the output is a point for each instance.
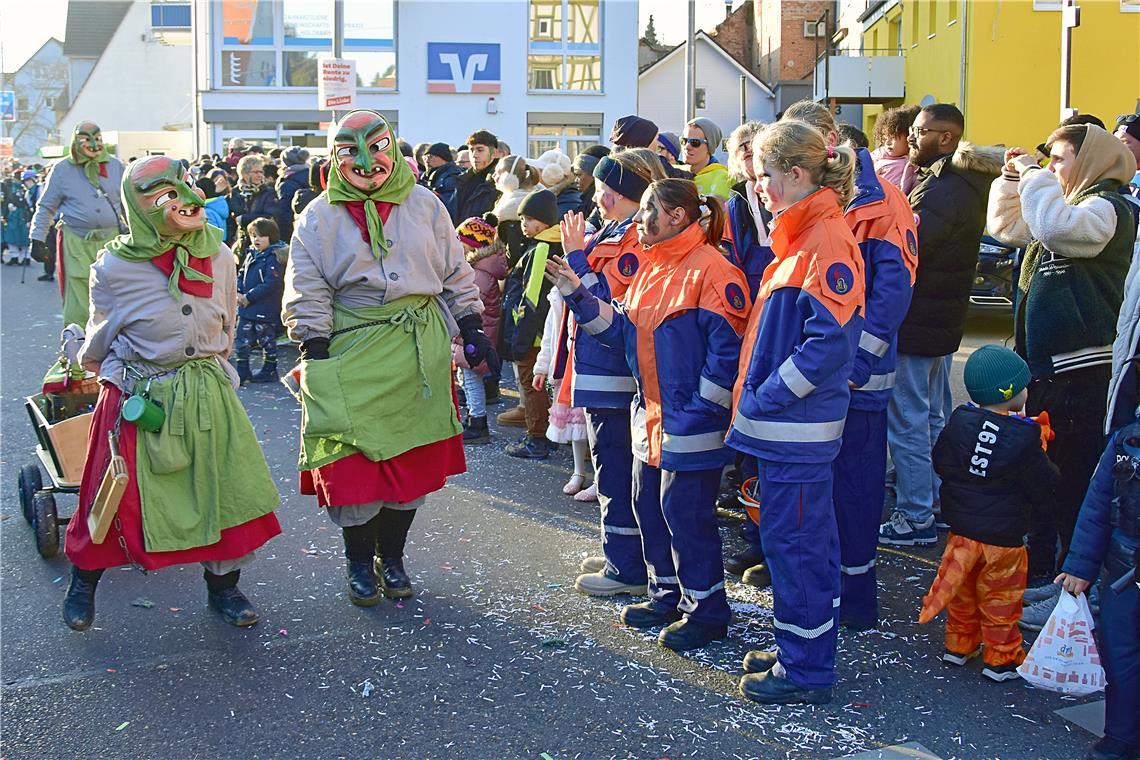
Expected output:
(356, 211)
(165, 264)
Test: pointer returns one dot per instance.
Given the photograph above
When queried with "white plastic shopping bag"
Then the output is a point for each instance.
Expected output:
(1064, 657)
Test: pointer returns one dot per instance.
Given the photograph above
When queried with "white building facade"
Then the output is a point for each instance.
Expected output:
(661, 91)
(538, 74)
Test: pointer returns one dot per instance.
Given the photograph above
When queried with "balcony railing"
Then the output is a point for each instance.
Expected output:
(867, 76)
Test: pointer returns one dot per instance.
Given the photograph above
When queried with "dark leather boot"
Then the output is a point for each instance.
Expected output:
(267, 373)
(244, 375)
(363, 590)
(393, 580)
(228, 601)
(79, 604)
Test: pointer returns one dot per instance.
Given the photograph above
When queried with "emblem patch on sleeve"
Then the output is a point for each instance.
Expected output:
(734, 296)
(840, 279)
(911, 243)
(627, 264)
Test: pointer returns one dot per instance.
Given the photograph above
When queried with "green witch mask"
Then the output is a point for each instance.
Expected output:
(87, 150)
(159, 190)
(361, 148)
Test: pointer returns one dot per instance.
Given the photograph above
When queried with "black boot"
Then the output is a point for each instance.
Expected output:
(359, 549)
(393, 579)
(267, 373)
(476, 431)
(79, 604)
(228, 601)
(392, 535)
(242, 367)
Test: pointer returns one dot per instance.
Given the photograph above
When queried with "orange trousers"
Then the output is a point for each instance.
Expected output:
(980, 586)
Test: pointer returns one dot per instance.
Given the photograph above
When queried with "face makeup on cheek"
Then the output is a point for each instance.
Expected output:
(648, 221)
(770, 182)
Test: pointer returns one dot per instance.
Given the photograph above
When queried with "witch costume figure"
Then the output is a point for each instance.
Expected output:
(376, 286)
(84, 191)
(163, 308)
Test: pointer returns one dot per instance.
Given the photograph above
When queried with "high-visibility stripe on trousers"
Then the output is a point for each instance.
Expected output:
(612, 452)
(860, 474)
(677, 514)
(801, 545)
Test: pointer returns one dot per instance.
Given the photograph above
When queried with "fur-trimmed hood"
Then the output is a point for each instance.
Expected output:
(986, 160)
(507, 207)
(488, 250)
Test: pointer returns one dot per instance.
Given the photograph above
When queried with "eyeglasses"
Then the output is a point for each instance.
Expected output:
(695, 142)
(1126, 118)
(920, 131)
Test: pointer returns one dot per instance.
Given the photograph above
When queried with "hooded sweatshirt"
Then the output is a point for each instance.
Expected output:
(1078, 244)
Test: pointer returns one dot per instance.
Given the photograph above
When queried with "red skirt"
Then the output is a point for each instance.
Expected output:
(356, 479)
(235, 542)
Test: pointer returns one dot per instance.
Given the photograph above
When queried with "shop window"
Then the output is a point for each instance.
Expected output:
(565, 46)
(570, 133)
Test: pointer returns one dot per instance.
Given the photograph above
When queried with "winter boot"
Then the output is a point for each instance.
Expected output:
(393, 580)
(771, 687)
(267, 373)
(359, 550)
(515, 417)
(227, 600)
(530, 447)
(79, 604)
(688, 634)
(476, 431)
(244, 375)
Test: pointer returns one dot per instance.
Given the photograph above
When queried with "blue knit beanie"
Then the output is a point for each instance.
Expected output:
(994, 375)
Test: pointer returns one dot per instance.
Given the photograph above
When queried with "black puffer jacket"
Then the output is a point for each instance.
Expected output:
(475, 194)
(950, 202)
(993, 470)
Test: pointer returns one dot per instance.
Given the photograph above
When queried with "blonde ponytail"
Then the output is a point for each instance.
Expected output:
(798, 143)
(839, 173)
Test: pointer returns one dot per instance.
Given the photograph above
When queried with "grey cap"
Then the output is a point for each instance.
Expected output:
(711, 130)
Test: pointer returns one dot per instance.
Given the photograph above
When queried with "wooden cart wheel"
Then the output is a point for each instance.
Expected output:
(47, 525)
(29, 481)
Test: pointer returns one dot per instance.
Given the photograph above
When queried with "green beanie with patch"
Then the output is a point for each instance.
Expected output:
(995, 374)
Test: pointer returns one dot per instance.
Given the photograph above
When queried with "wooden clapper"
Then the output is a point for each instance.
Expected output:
(111, 490)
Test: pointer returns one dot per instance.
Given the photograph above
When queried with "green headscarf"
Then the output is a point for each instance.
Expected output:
(146, 240)
(360, 130)
(87, 131)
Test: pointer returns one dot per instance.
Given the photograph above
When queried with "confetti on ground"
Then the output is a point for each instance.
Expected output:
(146, 604)
(123, 725)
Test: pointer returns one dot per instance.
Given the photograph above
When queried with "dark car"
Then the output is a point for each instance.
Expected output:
(995, 282)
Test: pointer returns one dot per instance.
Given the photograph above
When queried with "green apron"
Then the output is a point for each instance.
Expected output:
(203, 471)
(385, 388)
(79, 254)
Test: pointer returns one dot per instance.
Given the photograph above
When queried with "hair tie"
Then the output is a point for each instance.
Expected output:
(831, 151)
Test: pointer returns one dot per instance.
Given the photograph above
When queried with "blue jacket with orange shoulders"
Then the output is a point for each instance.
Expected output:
(680, 326)
(746, 240)
(791, 395)
(883, 224)
(612, 257)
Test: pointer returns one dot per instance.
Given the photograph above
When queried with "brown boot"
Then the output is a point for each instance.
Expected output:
(513, 418)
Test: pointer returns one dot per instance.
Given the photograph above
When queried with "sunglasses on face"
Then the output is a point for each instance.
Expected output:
(1126, 118)
(920, 131)
(695, 142)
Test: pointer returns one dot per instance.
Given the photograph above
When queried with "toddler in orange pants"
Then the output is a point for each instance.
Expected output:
(993, 466)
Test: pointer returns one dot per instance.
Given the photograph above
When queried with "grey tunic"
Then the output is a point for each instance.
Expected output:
(83, 207)
(329, 261)
(135, 320)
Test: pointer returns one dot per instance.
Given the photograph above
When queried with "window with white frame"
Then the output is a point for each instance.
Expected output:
(564, 50)
(276, 43)
(1047, 5)
(570, 133)
(1130, 6)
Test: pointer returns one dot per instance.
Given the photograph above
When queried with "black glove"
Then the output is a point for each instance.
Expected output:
(314, 349)
(40, 251)
(477, 346)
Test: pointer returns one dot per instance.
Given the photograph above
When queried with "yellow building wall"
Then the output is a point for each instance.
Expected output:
(1014, 68)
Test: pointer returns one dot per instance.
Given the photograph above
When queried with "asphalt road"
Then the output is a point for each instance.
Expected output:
(496, 656)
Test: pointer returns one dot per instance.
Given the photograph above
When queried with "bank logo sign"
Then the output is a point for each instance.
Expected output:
(464, 67)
